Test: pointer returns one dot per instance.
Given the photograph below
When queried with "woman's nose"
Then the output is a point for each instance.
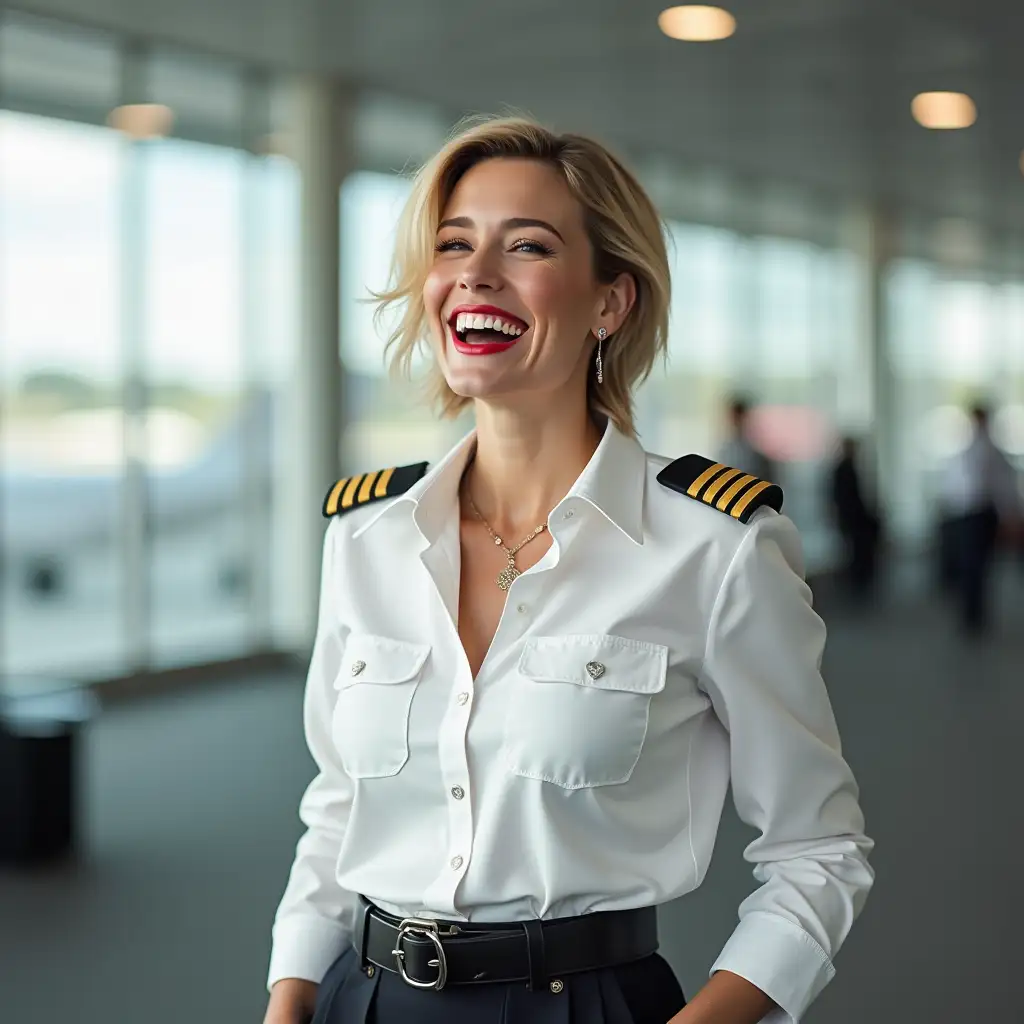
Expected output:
(480, 272)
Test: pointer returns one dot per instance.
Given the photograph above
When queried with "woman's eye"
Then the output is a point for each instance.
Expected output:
(451, 244)
(531, 247)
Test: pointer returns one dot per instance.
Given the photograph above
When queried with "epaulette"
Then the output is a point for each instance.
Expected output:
(732, 491)
(364, 488)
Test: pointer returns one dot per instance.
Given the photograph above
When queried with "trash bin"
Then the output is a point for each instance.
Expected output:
(39, 773)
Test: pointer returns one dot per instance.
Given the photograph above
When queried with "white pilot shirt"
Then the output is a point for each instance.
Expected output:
(537, 790)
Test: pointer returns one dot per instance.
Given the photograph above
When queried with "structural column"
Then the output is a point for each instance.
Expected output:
(321, 142)
(867, 394)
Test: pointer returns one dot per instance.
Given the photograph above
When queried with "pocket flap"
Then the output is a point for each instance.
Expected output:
(603, 662)
(379, 660)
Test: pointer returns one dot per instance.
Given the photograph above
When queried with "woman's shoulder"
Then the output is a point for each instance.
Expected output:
(354, 502)
(728, 494)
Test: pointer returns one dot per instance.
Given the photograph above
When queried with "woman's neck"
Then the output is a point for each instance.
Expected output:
(524, 466)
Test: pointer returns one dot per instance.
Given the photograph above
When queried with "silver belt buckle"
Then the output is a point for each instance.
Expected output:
(429, 930)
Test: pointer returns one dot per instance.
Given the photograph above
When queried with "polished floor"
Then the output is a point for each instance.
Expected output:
(189, 807)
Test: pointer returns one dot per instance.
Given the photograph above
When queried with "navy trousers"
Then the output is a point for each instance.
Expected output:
(644, 992)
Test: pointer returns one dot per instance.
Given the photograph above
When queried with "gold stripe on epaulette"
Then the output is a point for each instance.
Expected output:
(364, 491)
(381, 490)
(711, 493)
(725, 499)
(707, 475)
(350, 492)
(332, 501)
(747, 498)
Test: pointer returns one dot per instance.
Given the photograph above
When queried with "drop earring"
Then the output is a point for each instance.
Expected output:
(602, 333)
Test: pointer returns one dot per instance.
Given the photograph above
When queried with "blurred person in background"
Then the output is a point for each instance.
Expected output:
(856, 520)
(506, 791)
(981, 501)
(738, 449)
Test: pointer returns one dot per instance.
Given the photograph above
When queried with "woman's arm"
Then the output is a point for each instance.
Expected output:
(726, 999)
(762, 672)
(312, 926)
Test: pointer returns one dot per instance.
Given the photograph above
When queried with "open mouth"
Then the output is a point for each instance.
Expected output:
(485, 325)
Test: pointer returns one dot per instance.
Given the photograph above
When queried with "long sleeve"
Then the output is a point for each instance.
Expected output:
(313, 921)
(762, 673)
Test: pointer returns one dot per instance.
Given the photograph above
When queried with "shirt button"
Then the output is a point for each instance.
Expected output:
(458, 792)
(522, 608)
(357, 667)
(456, 863)
(568, 514)
(463, 698)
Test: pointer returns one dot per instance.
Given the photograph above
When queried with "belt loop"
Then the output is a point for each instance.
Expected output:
(535, 955)
(362, 925)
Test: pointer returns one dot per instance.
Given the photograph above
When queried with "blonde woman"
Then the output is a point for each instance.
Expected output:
(540, 662)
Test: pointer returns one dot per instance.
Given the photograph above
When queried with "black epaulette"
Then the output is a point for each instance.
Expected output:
(732, 491)
(364, 488)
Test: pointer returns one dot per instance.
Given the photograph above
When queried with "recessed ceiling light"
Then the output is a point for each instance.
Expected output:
(944, 110)
(142, 120)
(696, 24)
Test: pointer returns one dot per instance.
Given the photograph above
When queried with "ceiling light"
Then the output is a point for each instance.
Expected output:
(944, 110)
(696, 24)
(142, 120)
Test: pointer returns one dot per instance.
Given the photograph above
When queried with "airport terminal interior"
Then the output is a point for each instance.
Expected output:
(197, 201)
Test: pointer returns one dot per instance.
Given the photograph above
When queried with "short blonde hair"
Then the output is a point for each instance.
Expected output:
(625, 232)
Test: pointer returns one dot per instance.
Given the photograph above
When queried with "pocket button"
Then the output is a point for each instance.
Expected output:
(595, 669)
(357, 667)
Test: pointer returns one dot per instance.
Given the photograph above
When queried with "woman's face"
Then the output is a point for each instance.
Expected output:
(512, 298)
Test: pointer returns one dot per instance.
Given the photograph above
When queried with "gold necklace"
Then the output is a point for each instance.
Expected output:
(507, 575)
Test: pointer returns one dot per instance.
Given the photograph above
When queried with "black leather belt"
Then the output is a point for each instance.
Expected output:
(432, 954)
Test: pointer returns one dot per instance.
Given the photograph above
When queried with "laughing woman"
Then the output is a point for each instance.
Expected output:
(541, 661)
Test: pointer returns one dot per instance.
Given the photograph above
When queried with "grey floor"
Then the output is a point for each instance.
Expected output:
(190, 824)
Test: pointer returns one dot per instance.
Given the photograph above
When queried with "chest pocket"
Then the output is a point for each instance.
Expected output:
(375, 685)
(578, 710)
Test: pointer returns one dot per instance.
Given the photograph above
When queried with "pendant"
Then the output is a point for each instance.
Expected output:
(507, 575)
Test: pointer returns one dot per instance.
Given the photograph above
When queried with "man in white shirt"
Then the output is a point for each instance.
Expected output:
(980, 494)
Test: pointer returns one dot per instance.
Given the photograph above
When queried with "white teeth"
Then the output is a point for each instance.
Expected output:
(478, 322)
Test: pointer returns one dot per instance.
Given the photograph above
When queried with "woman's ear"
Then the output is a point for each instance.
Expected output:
(619, 299)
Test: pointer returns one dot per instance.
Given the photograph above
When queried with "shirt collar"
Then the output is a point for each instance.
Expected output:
(612, 482)
(432, 496)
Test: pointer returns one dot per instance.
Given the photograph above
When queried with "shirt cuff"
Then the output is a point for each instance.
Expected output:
(305, 947)
(781, 959)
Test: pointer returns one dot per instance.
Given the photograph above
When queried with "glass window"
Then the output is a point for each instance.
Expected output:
(60, 408)
(679, 409)
(197, 423)
(387, 421)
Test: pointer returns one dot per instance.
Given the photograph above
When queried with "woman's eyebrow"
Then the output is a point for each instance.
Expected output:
(512, 222)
